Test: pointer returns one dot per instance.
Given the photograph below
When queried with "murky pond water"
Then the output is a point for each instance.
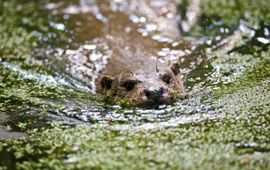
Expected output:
(224, 65)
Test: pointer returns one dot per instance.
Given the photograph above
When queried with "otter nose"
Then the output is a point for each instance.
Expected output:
(154, 94)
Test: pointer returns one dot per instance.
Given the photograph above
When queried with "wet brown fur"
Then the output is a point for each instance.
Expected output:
(134, 58)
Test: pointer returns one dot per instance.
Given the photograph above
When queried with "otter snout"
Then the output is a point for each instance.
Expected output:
(155, 95)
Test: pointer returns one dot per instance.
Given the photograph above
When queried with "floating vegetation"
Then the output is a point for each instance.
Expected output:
(221, 123)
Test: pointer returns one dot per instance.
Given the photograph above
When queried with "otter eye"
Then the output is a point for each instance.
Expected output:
(106, 82)
(166, 78)
(129, 84)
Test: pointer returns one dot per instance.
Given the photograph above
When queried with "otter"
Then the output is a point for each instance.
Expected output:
(131, 69)
(134, 72)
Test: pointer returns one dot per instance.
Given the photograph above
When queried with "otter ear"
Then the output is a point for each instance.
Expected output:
(106, 82)
(175, 69)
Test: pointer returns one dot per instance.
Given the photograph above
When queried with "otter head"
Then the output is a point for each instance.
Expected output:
(144, 87)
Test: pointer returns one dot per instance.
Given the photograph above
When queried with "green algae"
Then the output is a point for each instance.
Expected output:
(228, 15)
(239, 139)
(213, 144)
(230, 12)
(236, 85)
(29, 85)
(20, 23)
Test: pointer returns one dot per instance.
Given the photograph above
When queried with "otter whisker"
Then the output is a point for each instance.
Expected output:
(157, 70)
(120, 77)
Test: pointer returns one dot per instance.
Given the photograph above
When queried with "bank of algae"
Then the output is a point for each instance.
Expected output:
(223, 124)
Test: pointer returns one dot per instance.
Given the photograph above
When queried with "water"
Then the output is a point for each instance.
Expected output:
(87, 51)
(50, 76)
